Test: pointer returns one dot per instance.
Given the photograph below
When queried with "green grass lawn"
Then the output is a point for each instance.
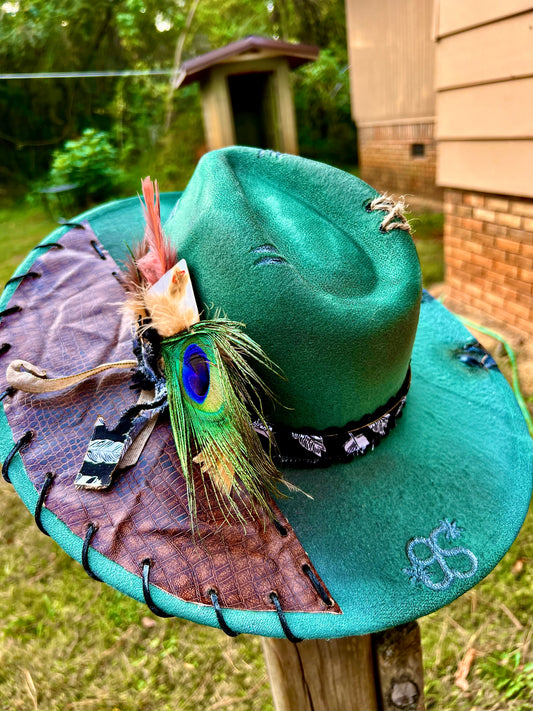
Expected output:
(428, 229)
(70, 643)
(21, 228)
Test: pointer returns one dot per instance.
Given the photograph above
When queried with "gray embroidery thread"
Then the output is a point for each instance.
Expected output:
(421, 571)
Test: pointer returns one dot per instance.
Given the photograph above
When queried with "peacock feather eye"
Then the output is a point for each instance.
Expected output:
(195, 373)
(195, 365)
(210, 386)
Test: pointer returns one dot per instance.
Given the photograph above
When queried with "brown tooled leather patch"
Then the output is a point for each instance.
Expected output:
(71, 321)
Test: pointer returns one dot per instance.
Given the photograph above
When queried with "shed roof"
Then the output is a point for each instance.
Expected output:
(296, 54)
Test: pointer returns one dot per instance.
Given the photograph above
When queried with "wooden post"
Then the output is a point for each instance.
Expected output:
(288, 133)
(216, 110)
(369, 673)
(330, 675)
(399, 671)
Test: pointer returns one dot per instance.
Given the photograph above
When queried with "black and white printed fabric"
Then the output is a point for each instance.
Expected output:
(112, 449)
(312, 448)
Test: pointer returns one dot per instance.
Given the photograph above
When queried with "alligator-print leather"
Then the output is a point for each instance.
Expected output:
(71, 320)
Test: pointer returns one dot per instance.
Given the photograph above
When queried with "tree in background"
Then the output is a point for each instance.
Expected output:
(321, 89)
(311, 22)
(323, 111)
(38, 116)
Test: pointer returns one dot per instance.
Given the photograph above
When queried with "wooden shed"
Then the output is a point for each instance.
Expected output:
(246, 92)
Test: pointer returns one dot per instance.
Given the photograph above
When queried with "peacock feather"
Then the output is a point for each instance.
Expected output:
(213, 391)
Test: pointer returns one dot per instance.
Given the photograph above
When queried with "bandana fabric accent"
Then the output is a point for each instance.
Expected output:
(109, 448)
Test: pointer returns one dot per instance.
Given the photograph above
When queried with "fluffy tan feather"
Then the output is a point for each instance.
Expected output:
(171, 312)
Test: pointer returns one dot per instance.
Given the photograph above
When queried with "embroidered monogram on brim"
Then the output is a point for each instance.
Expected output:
(335, 445)
(437, 565)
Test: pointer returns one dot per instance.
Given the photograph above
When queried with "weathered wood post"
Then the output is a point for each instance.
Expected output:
(379, 672)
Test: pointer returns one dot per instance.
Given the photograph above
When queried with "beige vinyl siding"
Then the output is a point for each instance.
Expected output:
(493, 52)
(502, 167)
(484, 81)
(456, 15)
(485, 111)
(391, 56)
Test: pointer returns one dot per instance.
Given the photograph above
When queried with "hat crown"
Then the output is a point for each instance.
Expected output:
(286, 246)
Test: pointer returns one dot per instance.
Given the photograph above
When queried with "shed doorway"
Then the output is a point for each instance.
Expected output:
(252, 102)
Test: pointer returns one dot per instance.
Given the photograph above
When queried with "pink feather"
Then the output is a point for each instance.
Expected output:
(160, 256)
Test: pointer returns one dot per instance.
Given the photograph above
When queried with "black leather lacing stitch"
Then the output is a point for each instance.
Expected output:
(28, 275)
(11, 310)
(218, 611)
(283, 620)
(22, 442)
(147, 564)
(8, 392)
(50, 245)
(280, 527)
(85, 551)
(4, 348)
(40, 502)
(96, 247)
(317, 585)
(64, 223)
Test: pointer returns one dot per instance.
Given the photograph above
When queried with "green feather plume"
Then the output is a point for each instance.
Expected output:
(212, 389)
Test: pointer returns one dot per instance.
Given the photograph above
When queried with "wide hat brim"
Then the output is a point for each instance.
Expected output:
(394, 535)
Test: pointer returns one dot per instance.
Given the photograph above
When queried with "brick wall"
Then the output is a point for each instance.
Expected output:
(387, 162)
(488, 252)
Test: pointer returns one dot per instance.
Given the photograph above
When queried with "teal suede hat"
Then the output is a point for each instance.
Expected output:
(315, 280)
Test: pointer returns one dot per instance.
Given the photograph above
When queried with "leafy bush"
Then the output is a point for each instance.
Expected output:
(90, 162)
